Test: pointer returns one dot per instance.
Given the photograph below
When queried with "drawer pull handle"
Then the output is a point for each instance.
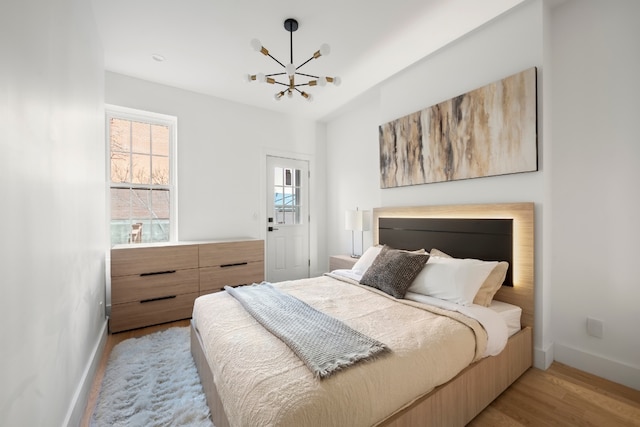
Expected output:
(237, 284)
(157, 299)
(234, 265)
(157, 272)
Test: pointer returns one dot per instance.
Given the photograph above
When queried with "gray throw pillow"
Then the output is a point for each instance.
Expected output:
(393, 271)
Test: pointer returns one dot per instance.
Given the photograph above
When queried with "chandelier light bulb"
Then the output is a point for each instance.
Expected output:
(248, 78)
(256, 45)
(261, 78)
(322, 81)
(290, 69)
(325, 49)
(337, 81)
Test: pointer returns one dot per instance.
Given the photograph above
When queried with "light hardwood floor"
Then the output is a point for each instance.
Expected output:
(562, 396)
(559, 396)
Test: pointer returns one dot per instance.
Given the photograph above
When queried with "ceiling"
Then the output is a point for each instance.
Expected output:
(206, 43)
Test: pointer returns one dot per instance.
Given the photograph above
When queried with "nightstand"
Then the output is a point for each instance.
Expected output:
(341, 262)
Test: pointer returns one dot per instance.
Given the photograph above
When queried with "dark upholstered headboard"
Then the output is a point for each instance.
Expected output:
(459, 243)
(485, 239)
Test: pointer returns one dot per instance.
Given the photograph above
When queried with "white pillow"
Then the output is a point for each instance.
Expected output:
(366, 259)
(452, 279)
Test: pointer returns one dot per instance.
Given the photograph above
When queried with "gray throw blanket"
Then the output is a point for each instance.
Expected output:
(323, 343)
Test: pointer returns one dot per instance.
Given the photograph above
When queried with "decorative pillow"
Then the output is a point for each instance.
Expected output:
(366, 259)
(490, 286)
(437, 252)
(452, 279)
(393, 271)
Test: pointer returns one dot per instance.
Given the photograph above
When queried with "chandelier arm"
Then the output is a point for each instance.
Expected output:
(275, 74)
(305, 62)
(308, 75)
(272, 57)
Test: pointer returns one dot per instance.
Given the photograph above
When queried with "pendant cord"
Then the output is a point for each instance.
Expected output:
(291, 45)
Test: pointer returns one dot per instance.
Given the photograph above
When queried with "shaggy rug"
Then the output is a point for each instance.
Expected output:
(152, 381)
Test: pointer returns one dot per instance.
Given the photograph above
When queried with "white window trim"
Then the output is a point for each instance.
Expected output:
(116, 111)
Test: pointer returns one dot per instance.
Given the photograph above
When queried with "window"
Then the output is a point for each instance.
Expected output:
(287, 195)
(141, 176)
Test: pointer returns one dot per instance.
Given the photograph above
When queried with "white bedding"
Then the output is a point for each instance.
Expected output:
(497, 334)
(511, 314)
(500, 320)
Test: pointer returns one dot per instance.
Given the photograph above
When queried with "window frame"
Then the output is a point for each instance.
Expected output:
(131, 114)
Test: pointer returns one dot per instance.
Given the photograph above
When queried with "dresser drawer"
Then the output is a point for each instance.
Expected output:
(142, 287)
(213, 279)
(131, 261)
(228, 253)
(133, 315)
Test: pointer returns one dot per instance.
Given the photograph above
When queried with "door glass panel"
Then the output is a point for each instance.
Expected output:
(287, 196)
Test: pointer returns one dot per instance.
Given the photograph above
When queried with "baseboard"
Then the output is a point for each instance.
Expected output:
(612, 370)
(81, 396)
(543, 357)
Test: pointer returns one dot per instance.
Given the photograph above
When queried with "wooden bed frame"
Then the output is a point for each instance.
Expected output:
(458, 401)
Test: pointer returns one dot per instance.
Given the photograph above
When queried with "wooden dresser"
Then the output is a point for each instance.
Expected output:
(158, 284)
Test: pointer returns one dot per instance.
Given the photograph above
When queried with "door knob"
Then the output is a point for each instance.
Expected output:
(271, 228)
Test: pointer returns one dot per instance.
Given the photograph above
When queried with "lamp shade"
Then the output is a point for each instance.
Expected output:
(356, 220)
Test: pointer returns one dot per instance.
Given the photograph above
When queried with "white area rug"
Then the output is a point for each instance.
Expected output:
(152, 381)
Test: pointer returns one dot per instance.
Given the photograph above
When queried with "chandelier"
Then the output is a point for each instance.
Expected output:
(290, 70)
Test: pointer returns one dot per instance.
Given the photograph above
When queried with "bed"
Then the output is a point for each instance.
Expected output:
(385, 391)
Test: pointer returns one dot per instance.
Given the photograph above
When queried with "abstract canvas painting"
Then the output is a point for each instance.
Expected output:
(485, 132)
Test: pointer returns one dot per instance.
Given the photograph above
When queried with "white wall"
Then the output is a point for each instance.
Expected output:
(595, 194)
(353, 171)
(222, 147)
(52, 210)
(511, 43)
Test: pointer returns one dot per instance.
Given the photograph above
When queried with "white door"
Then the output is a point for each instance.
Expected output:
(287, 255)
